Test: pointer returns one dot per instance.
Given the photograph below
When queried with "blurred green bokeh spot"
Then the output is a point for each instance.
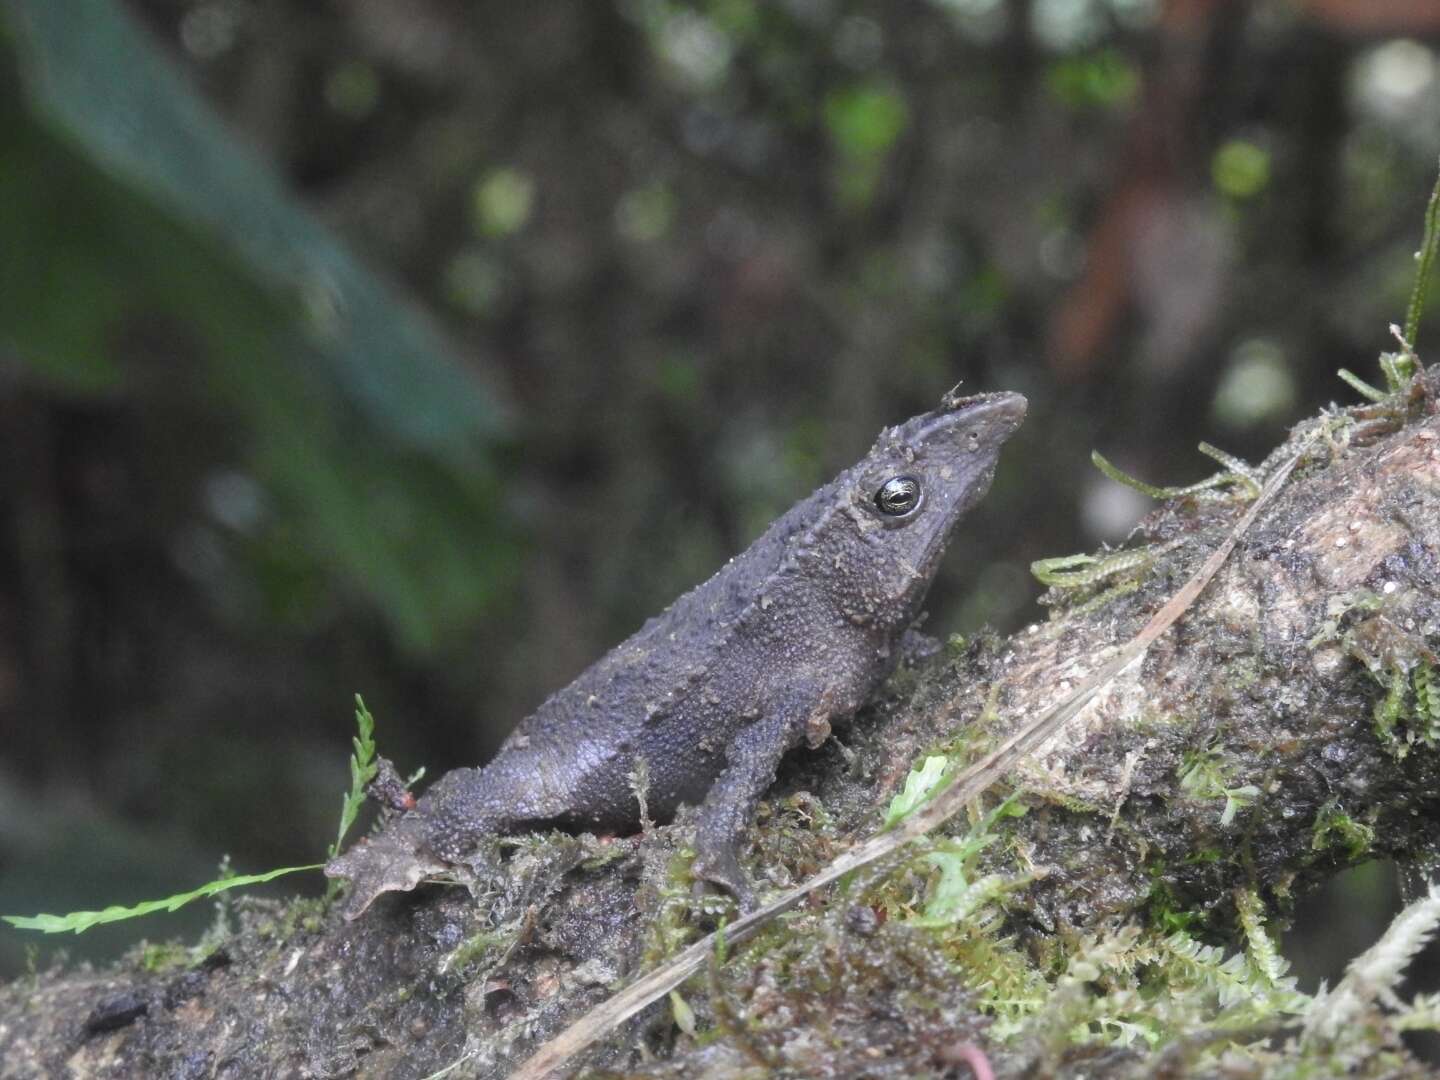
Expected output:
(1241, 169)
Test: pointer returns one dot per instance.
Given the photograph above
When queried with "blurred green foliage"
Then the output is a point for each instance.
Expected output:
(864, 122)
(1102, 79)
(1240, 169)
(503, 200)
(128, 211)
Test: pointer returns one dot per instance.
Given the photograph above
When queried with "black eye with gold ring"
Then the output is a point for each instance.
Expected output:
(898, 496)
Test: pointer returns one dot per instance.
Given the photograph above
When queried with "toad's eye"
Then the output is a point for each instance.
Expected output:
(898, 496)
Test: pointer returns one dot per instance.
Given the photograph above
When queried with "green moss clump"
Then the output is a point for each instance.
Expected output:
(1336, 829)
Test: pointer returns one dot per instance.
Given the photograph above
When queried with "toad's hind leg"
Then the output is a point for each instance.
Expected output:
(729, 808)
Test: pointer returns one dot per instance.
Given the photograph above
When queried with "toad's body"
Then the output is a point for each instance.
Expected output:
(794, 632)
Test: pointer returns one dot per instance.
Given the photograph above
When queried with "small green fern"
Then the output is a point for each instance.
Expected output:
(79, 921)
(362, 771)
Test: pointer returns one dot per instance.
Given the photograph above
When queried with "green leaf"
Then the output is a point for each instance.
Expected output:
(683, 1014)
(79, 921)
(92, 75)
(953, 897)
(1236, 799)
(374, 443)
(920, 786)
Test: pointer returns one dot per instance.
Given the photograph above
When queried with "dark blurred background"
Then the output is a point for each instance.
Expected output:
(423, 348)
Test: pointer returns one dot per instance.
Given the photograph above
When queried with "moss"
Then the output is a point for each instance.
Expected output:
(1165, 907)
(674, 911)
(1407, 714)
(1202, 856)
(163, 957)
(1205, 774)
(475, 948)
(1335, 829)
(1080, 585)
(1079, 996)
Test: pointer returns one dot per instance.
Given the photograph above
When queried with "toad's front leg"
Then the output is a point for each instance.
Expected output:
(729, 809)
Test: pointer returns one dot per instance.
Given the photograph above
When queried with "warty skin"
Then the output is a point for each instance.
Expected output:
(792, 634)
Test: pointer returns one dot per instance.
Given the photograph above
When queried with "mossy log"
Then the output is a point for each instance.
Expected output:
(1285, 729)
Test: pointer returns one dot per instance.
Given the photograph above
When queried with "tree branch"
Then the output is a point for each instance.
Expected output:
(1276, 735)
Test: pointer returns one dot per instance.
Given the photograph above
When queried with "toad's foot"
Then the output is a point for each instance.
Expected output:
(394, 861)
